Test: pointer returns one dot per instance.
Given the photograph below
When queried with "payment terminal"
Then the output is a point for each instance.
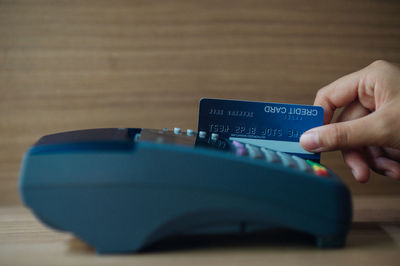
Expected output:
(123, 189)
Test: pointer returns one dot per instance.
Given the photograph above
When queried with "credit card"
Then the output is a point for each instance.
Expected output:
(277, 126)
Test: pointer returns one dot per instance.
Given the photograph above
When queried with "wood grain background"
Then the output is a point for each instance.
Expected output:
(68, 65)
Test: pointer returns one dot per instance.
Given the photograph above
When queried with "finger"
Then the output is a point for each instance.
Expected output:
(392, 153)
(345, 135)
(338, 94)
(372, 154)
(389, 167)
(362, 85)
(354, 158)
(357, 110)
(381, 164)
(353, 111)
(358, 164)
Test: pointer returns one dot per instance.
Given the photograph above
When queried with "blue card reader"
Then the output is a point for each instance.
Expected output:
(123, 189)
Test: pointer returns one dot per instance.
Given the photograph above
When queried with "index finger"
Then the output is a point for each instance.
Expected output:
(338, 94)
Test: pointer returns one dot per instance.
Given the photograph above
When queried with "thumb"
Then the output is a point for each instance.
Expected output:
(350, 134)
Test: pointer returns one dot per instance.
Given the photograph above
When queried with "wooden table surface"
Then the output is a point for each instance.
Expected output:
(75, 64)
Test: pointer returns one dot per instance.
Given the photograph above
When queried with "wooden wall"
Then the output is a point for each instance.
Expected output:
(68, 65)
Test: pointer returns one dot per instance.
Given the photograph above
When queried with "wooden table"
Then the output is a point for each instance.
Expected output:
(373, 240)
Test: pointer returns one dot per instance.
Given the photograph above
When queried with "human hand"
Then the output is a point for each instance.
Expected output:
(368, 129)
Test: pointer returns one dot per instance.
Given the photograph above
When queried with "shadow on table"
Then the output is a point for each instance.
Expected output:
(362, 235)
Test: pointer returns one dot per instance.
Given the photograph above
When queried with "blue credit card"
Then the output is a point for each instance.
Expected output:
(277, 126)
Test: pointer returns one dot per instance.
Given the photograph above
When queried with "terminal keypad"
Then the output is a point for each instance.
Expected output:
(285, 159)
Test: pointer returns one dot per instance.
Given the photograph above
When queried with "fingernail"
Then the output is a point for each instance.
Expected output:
(359, 176)
(390, 174)
(310, 140)
(354, 172)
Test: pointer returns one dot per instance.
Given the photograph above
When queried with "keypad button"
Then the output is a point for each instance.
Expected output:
(318, 169)
(240, 151)
(320, 172)
(270, 156)
(214, 136)
(137, 137)
(190, 132)
(202, 134)
(239, 148)
(302, 164)
(254, 152)
(287, 160)
(237, 144)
